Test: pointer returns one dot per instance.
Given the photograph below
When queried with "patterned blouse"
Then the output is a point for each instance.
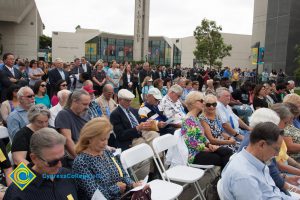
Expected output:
(217, 130)
(294, 133)
(193, 134)
(104, 175)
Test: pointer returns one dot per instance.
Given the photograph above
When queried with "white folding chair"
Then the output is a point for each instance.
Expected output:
(220, 190)
(179, 173)
(3, 132)
(160, 189)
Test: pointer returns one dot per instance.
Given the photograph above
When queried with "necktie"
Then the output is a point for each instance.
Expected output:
(132, 119)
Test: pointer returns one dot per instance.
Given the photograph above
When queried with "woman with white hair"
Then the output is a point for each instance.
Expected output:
(201, 151)
(212, 125)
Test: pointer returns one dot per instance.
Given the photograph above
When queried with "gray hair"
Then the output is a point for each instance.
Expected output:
(57, 60)
(45, 138)
(264, 115)
(282, 110)
(21, 91)
(107, 86)
(220, 91)
(63, 93)
(176, 88)
(36, 110)
(75, 96)
(291, 82)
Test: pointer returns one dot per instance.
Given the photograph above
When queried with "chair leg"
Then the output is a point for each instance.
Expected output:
(201, 195)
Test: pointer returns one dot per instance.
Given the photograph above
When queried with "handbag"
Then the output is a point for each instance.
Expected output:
(144, 194)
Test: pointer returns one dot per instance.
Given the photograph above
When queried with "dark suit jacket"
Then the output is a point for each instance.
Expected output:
(5, 83)
(122, 127)
(55, 76)
(89, 70)
(125, 81)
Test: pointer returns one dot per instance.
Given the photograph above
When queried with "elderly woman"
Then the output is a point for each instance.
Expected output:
(38, 116)
(294, 99)
(211, 123)
(93, 159)
(201, 151)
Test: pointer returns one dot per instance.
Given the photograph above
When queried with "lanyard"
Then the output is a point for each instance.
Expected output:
(118, 167)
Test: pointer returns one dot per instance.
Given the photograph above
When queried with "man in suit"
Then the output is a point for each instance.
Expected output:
(57, 74)
(86, 67)
(127, 125)
(9, 75)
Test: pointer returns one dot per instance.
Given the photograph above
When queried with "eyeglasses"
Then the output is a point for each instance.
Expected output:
(276, 149)
(42, 85)
(63, 85)
(29, 96)
(52, 163)
(211, 104)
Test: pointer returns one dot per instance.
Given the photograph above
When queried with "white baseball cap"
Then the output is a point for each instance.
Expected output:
(155, 92)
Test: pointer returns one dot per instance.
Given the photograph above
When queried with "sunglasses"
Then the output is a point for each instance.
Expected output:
(63, 85)
(211, 104)
(53, 163)
(29, 96)
(43, 85)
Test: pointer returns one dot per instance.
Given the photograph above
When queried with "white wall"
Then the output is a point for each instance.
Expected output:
(68, 46)
(22, 39)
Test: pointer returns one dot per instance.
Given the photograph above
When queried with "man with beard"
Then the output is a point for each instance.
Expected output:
(72, 118)
(18, 118)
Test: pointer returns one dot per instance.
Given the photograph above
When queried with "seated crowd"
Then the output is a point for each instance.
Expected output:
(70, 120)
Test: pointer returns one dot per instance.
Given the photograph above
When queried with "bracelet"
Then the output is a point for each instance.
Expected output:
(236, 134)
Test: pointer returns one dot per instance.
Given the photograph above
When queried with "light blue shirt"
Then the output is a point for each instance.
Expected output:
(16, 120)
(246, 177)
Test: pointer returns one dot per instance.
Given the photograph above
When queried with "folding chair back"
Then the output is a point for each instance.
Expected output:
(3, 132)
(163, 143)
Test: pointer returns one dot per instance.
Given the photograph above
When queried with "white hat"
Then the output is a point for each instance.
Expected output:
(125, 94)
(155, 92)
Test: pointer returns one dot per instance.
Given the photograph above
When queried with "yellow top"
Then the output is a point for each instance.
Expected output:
(282, 156)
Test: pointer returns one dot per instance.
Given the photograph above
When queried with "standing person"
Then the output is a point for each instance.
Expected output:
(273, 75)
(128, 77)
(58, 73)
(135, 80)
(86, 67)
(235, 79)
(35, 73)
(113, 77)
(98, 77)
(265, 76)
(41, 96)
(9, 75)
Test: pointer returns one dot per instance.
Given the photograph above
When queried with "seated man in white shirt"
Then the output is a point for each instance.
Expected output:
(230, 121)
(247, 175)
(172, 106)
(62, 97)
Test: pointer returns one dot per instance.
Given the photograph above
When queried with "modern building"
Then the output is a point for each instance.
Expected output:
(68, 46)
(20, 28)
(276, 26)
(163, 50)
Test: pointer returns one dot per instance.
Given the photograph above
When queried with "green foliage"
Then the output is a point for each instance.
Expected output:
(45, 42)
(210, 46)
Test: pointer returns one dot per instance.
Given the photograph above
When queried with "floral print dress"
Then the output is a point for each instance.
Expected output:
(193, 134)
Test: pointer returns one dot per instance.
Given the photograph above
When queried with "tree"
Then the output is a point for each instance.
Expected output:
(45, 42)
(210, 47)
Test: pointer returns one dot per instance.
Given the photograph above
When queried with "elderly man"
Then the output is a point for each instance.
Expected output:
(58, 73)
(62, 97)
(18, 118)
(47, 152)
(73, 117)
(105, 101)
(94, 109)
(127, 125)
(247, 175)
(230, 121)
(172, 106)
(151, 111)
(290, 87)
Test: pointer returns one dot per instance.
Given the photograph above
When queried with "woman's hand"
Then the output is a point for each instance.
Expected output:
(212, 147)
(122, 186)
(231, 141)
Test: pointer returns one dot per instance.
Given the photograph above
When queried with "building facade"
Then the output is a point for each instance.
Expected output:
(20, 28)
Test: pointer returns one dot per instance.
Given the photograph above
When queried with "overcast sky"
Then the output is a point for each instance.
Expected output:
(171, 18)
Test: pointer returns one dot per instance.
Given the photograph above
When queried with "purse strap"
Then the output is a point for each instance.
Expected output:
(118, 167)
